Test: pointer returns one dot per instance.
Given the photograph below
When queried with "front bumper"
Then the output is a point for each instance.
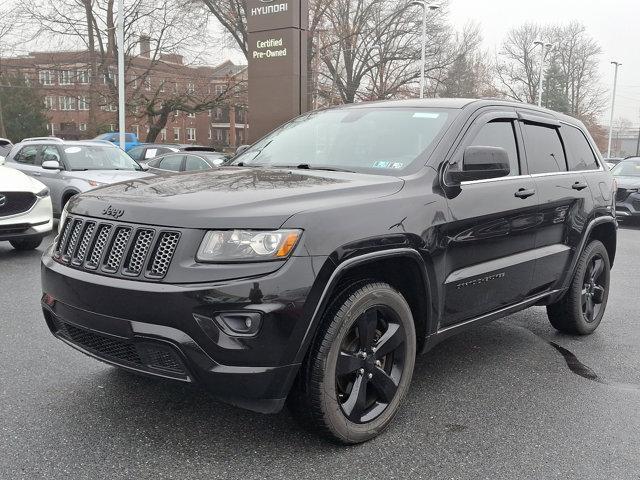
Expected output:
(629, 206)
(174, 331)
(36, 223)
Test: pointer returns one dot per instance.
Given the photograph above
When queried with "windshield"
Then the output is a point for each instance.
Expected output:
(628, 168)
(99, 158)
(376, 140)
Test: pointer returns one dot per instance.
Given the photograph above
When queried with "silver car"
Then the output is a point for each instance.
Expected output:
(72, 167)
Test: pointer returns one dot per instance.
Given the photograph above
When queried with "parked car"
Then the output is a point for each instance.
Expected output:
(613, 160)
(627, 175)
(72, 167)
(5, 146)
(26, 215)
(328, 254)
(145, 152)
(186, 162)
(131, 139)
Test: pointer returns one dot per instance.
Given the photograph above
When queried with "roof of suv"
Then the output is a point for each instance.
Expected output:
(59, 141)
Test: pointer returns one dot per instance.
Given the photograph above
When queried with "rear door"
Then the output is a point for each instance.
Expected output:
(194, 164)
(490, 241)
(565, 199)
(27, 160)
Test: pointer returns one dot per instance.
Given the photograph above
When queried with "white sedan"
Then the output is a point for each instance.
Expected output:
(26, 214)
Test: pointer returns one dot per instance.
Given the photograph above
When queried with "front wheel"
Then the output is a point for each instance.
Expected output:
(360, 365)
(581, 310)
(26, 244)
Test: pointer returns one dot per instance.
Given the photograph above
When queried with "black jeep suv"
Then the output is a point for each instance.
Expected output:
(322, 259)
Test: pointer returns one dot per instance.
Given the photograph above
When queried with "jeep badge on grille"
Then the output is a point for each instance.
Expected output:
(113, 212)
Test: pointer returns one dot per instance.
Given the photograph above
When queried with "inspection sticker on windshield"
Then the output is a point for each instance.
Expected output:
(397, 165)
(382, 165)
(425, 115)
(72, 150)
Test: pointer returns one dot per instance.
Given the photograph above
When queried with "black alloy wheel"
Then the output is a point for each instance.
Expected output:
(360, 364)
(593, 290)
(370, 364)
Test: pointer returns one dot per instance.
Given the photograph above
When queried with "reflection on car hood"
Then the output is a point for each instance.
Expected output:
(231, 197)
(108, 176)
(628, 182)
(12, 180)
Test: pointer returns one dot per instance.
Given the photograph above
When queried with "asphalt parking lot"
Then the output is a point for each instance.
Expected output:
(499, 402)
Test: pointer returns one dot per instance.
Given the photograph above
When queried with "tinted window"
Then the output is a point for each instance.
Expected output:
(195, 163)
(27, 155)
(579, 153)
(171, 162)
(51, 154)
(500, 134)
(544, 149)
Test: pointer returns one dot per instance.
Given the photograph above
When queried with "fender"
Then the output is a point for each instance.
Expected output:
(583, 243)
(344, 267)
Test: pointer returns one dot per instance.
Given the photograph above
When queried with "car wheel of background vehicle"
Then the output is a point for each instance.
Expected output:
(580, 311)
(26, 244)
(360, 364)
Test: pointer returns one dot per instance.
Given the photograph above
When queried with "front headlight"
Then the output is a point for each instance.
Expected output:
(247, 245)
(63, 218)
(44, 193)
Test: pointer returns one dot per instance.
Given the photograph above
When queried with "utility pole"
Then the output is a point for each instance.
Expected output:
(121, 80)
(613, 105)
(425, 8)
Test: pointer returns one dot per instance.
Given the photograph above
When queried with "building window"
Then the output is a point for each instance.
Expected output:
(45, 76)
(219, 89)
(163, 134)
(83, 104)
(50, 128)
(191, 115)
(191, 88)
(110, 107)
(83, 127)
(218, 113)
(49, 104)
(147, 84)
(67, 103)
(66, 77)
(191, 134)
(112, 127)
(209, 113)
(219, 135)
(176, 133)
(210, 134)
(162, 87)
(83, 76)
(136, 130)
(176, 113)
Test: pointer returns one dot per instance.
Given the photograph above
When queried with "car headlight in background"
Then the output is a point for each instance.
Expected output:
(93, 183)
(44, 193)
(247, 245)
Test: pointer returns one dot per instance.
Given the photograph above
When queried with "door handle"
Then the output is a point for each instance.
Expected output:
(579, 186)
(37, 174)
(525, 193)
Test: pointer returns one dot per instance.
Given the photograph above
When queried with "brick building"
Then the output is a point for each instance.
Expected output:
(80, 92)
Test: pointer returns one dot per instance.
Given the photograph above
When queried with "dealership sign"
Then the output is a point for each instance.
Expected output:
(277, 62)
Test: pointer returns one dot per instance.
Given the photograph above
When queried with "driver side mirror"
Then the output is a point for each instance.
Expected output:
(51, 165)
(242, 149)
(1, 160)
(482, 163)
(144, 166)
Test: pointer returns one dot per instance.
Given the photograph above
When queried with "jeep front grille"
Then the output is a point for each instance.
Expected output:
(116, 249)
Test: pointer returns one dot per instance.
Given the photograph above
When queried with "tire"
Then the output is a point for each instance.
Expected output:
(357, 402)
(581, 310)
(26, 244)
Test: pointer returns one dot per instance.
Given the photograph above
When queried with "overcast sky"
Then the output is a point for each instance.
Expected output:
(615, 24)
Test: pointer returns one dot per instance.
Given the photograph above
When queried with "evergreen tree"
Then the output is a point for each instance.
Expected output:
(22, 107)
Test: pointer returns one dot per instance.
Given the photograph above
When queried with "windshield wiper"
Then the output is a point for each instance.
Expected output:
(306, 166)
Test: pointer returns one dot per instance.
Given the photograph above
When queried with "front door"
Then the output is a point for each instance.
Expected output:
(54, 179)
(491, 239)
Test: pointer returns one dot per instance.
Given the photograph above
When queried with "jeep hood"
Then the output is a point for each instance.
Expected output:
(109, 176)
(230, 197)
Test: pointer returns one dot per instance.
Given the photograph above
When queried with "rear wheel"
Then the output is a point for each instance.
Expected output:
(360, 366)
(26, 244)
(581, 310)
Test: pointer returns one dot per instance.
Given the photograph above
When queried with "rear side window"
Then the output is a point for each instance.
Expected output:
(195, 163)
(136, 153)
(171, 162)
(500, 134)
(545, 153)
(27, 155)
(579, 154)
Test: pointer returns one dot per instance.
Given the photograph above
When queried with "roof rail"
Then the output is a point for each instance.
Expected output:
(107, 142)
(43, 139)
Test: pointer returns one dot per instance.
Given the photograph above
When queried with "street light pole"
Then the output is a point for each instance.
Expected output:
(121, 80)
(543, 55)
(613, 105)
(425, 7)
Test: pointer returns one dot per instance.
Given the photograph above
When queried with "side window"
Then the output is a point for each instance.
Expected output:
(136, 153)
(27, 155)
(544, 149)
(51, 153)
(579, 154)
(195, 163)
(171, 162)
(500, 134)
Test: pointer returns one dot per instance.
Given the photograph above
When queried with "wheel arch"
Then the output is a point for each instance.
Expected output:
(397, 267)
(67, 194)
(606, 232)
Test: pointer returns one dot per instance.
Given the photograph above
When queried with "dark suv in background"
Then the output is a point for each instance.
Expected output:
(316, 265)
